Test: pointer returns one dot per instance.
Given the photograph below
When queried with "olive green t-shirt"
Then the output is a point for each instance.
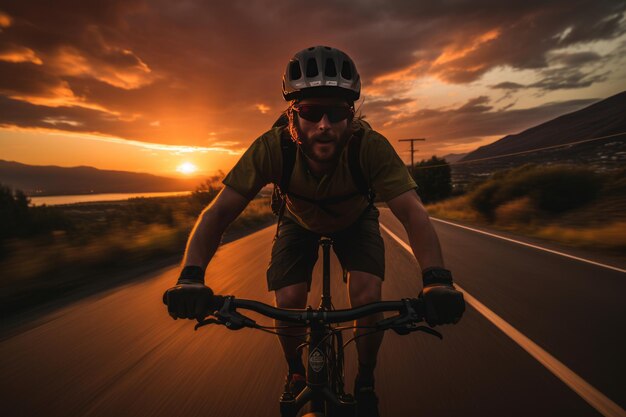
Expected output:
(383, 169)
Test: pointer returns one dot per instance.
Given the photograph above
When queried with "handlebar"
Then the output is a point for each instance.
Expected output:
(224, 309)
(414, 306)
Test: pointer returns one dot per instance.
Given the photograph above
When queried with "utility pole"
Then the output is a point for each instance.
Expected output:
(413, 150)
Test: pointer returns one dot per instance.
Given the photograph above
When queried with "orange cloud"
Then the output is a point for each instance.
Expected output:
(5, 20)
(455, 52)
(16, 53)
(60, 96)
(69, 61)
(262, 108)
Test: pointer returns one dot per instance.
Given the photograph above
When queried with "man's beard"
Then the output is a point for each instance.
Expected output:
(307, 145)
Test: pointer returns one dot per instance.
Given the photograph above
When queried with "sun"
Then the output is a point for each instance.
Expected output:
(187, 168)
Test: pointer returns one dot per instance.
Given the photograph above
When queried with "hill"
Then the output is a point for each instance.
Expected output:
(604, 118)
(454, 157)
(37, 180)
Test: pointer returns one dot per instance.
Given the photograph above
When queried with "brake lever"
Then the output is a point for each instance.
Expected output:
(414, 327)
(407, 318)
(204, 322)
(407, 322)
(232, 319)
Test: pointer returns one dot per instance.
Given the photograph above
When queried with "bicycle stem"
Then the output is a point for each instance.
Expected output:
(326, 303)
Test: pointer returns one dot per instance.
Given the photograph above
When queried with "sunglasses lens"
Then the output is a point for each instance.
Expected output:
(337, 114)
(314, 113)
(311, 113)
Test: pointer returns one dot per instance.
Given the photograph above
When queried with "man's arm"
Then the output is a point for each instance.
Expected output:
(443, 303)
(408, 208)
(190, 298)
(210, 226)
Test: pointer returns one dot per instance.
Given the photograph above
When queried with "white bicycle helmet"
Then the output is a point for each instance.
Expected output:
(321, 71)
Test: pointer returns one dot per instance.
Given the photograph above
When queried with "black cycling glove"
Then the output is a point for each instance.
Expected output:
(189, 298)
(443, 303)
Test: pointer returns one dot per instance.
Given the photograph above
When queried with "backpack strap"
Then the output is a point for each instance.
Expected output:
(354, 163)
(288, 151)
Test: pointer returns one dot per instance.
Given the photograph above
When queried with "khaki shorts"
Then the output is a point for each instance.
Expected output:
(294, 253)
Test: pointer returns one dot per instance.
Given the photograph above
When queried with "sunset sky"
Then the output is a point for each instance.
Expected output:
(150, 85)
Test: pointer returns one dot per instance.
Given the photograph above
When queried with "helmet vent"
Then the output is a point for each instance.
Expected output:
(346, 70)
(329, 69)
(294, 70)
(311, 68)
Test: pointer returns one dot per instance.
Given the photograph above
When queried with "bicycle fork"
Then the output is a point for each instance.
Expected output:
(318, 390)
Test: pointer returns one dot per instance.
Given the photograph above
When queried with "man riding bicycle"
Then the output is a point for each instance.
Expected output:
(320, 183)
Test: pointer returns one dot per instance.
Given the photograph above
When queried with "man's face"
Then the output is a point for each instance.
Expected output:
(323, 141)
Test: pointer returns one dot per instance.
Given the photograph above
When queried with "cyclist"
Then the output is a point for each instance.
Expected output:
(321, 85)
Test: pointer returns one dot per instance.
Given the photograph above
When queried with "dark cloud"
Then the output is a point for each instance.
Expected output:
(74, 119)
(27, 79)
(383, 109)
(575, 59)
(460, 126)
(475, 105)
(563, 78)
(508, 85)
(567, 78)
(189, 68)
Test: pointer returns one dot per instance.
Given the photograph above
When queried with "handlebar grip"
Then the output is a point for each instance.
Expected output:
(418, 306)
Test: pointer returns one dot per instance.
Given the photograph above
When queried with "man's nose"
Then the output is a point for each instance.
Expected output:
(324, 123)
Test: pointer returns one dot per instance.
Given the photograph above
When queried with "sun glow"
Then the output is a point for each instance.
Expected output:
(187, 168)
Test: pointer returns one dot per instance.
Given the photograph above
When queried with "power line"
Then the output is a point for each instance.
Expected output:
(522, 152)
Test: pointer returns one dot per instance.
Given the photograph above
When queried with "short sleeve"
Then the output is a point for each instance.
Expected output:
(253, 170)
(388, 175)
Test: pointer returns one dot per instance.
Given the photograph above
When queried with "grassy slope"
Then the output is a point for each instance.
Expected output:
(599, 224)
(106, 241)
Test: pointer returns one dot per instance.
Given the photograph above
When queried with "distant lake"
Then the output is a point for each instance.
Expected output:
(55, 200)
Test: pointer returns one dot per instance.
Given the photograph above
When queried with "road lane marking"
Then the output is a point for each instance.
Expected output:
(591, 395)
(533, 246)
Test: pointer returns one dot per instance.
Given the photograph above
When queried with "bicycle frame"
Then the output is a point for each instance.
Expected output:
(320, 390)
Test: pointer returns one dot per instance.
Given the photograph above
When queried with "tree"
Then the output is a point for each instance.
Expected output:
(433, 179)
(14, 214)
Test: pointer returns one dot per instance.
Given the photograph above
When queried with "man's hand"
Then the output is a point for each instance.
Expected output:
(189, 298)
(443, 303)
(188, 301)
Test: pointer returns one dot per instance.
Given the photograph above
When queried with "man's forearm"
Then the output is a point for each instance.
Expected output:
(205, 238)
(208, 230)
(423, 240)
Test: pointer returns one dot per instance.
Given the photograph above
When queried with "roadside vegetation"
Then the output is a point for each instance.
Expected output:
(571, 205)
(46, 252)
(433, 178)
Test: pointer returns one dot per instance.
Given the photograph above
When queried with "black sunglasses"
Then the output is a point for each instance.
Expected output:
(315, 112)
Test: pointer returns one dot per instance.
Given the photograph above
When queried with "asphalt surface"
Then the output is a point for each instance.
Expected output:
(120, 354)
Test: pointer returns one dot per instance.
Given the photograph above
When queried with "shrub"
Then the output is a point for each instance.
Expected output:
(553, 189)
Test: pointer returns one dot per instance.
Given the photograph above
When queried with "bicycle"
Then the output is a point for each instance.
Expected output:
(325, 375)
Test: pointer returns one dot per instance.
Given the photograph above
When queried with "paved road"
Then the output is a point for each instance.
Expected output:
(119, 353)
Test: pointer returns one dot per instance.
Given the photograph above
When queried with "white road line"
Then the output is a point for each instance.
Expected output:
(532, 246)
(595, 398)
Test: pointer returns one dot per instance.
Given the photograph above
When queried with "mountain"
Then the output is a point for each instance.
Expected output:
(37, 180)
(604, 118)
(453, 157)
